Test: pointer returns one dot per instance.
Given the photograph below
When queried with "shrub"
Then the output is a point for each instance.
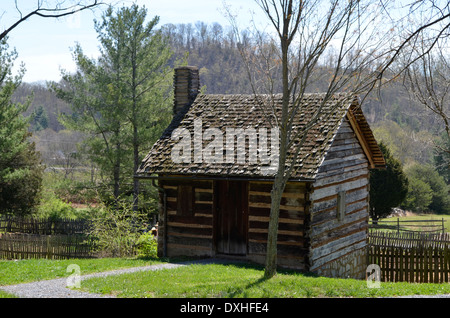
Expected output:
(53, 207)
(147, 246)
(117, 229)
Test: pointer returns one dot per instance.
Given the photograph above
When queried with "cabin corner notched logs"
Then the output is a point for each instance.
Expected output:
(339, 229)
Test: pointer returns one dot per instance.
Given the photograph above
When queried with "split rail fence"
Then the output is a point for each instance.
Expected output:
(410, 256)
(424, 226)
(22, 238)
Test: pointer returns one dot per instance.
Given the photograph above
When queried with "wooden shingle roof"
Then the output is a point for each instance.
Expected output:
(245, 111)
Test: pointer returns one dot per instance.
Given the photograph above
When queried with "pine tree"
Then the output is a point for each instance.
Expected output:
(388, 187)
(122, 97)
(20, 167)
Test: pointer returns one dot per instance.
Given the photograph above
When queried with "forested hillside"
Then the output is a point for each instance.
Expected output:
(404, 125)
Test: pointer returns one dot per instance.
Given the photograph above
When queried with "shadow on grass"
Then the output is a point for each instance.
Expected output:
(245, 291)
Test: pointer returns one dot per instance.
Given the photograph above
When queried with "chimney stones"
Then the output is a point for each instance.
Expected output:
(186, 87)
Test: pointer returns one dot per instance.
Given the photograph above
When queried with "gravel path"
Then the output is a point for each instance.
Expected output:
(56, 288)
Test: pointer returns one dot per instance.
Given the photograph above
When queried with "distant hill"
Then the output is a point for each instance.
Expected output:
(45, 99)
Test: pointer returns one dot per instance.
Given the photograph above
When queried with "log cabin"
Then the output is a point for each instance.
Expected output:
(215, 189)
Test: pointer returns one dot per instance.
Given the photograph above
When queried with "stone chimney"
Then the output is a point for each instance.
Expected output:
(186, 86)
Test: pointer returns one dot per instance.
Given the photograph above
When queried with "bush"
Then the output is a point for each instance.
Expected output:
(117, 229)
(147, 246)
(53, 207)
(20, 188)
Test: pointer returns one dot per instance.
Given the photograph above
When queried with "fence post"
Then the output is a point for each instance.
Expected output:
(49, 251)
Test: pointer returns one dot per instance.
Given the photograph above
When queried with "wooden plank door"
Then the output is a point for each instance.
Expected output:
(232, 217)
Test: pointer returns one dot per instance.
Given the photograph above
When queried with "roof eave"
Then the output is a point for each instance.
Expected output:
(214, 177)
(375, 162)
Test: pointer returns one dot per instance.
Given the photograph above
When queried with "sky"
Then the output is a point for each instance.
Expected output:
(45, 45)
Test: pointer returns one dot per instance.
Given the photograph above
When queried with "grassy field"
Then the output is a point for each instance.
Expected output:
(437, 217)
(196, 281)
(420, 217)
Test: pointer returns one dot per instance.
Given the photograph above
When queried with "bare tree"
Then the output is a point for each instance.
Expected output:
(338, 41)
(56, 10)
(420, 55)
(428, 81)
(423, 23)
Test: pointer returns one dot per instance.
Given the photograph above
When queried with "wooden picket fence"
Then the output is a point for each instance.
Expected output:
(24, 246)
(410, 256)
(22, 238)
(44, 226)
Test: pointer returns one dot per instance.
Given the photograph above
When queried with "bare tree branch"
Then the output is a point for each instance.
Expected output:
(428, 82)
(409, 40)
(55, 12)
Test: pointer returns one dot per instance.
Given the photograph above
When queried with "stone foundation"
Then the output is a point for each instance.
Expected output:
(352, 265)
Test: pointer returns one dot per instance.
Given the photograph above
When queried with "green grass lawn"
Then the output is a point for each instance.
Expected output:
(437, 217)
(29, 270)
(196, 281)
(235, 281)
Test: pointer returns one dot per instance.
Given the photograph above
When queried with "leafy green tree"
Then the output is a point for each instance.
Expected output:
(98, 113)
(435, 199)
(20, 168)
(388, 187)
(122, 98)
(419, 195)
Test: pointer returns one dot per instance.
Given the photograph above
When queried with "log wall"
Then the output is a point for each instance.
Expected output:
(292, 242)
(192, 234)
(338, 240)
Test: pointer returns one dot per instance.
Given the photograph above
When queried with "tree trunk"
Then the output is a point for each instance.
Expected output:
(136, 166)
(271, 253)
(280, 179)
(135, 124)
(116, 175)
